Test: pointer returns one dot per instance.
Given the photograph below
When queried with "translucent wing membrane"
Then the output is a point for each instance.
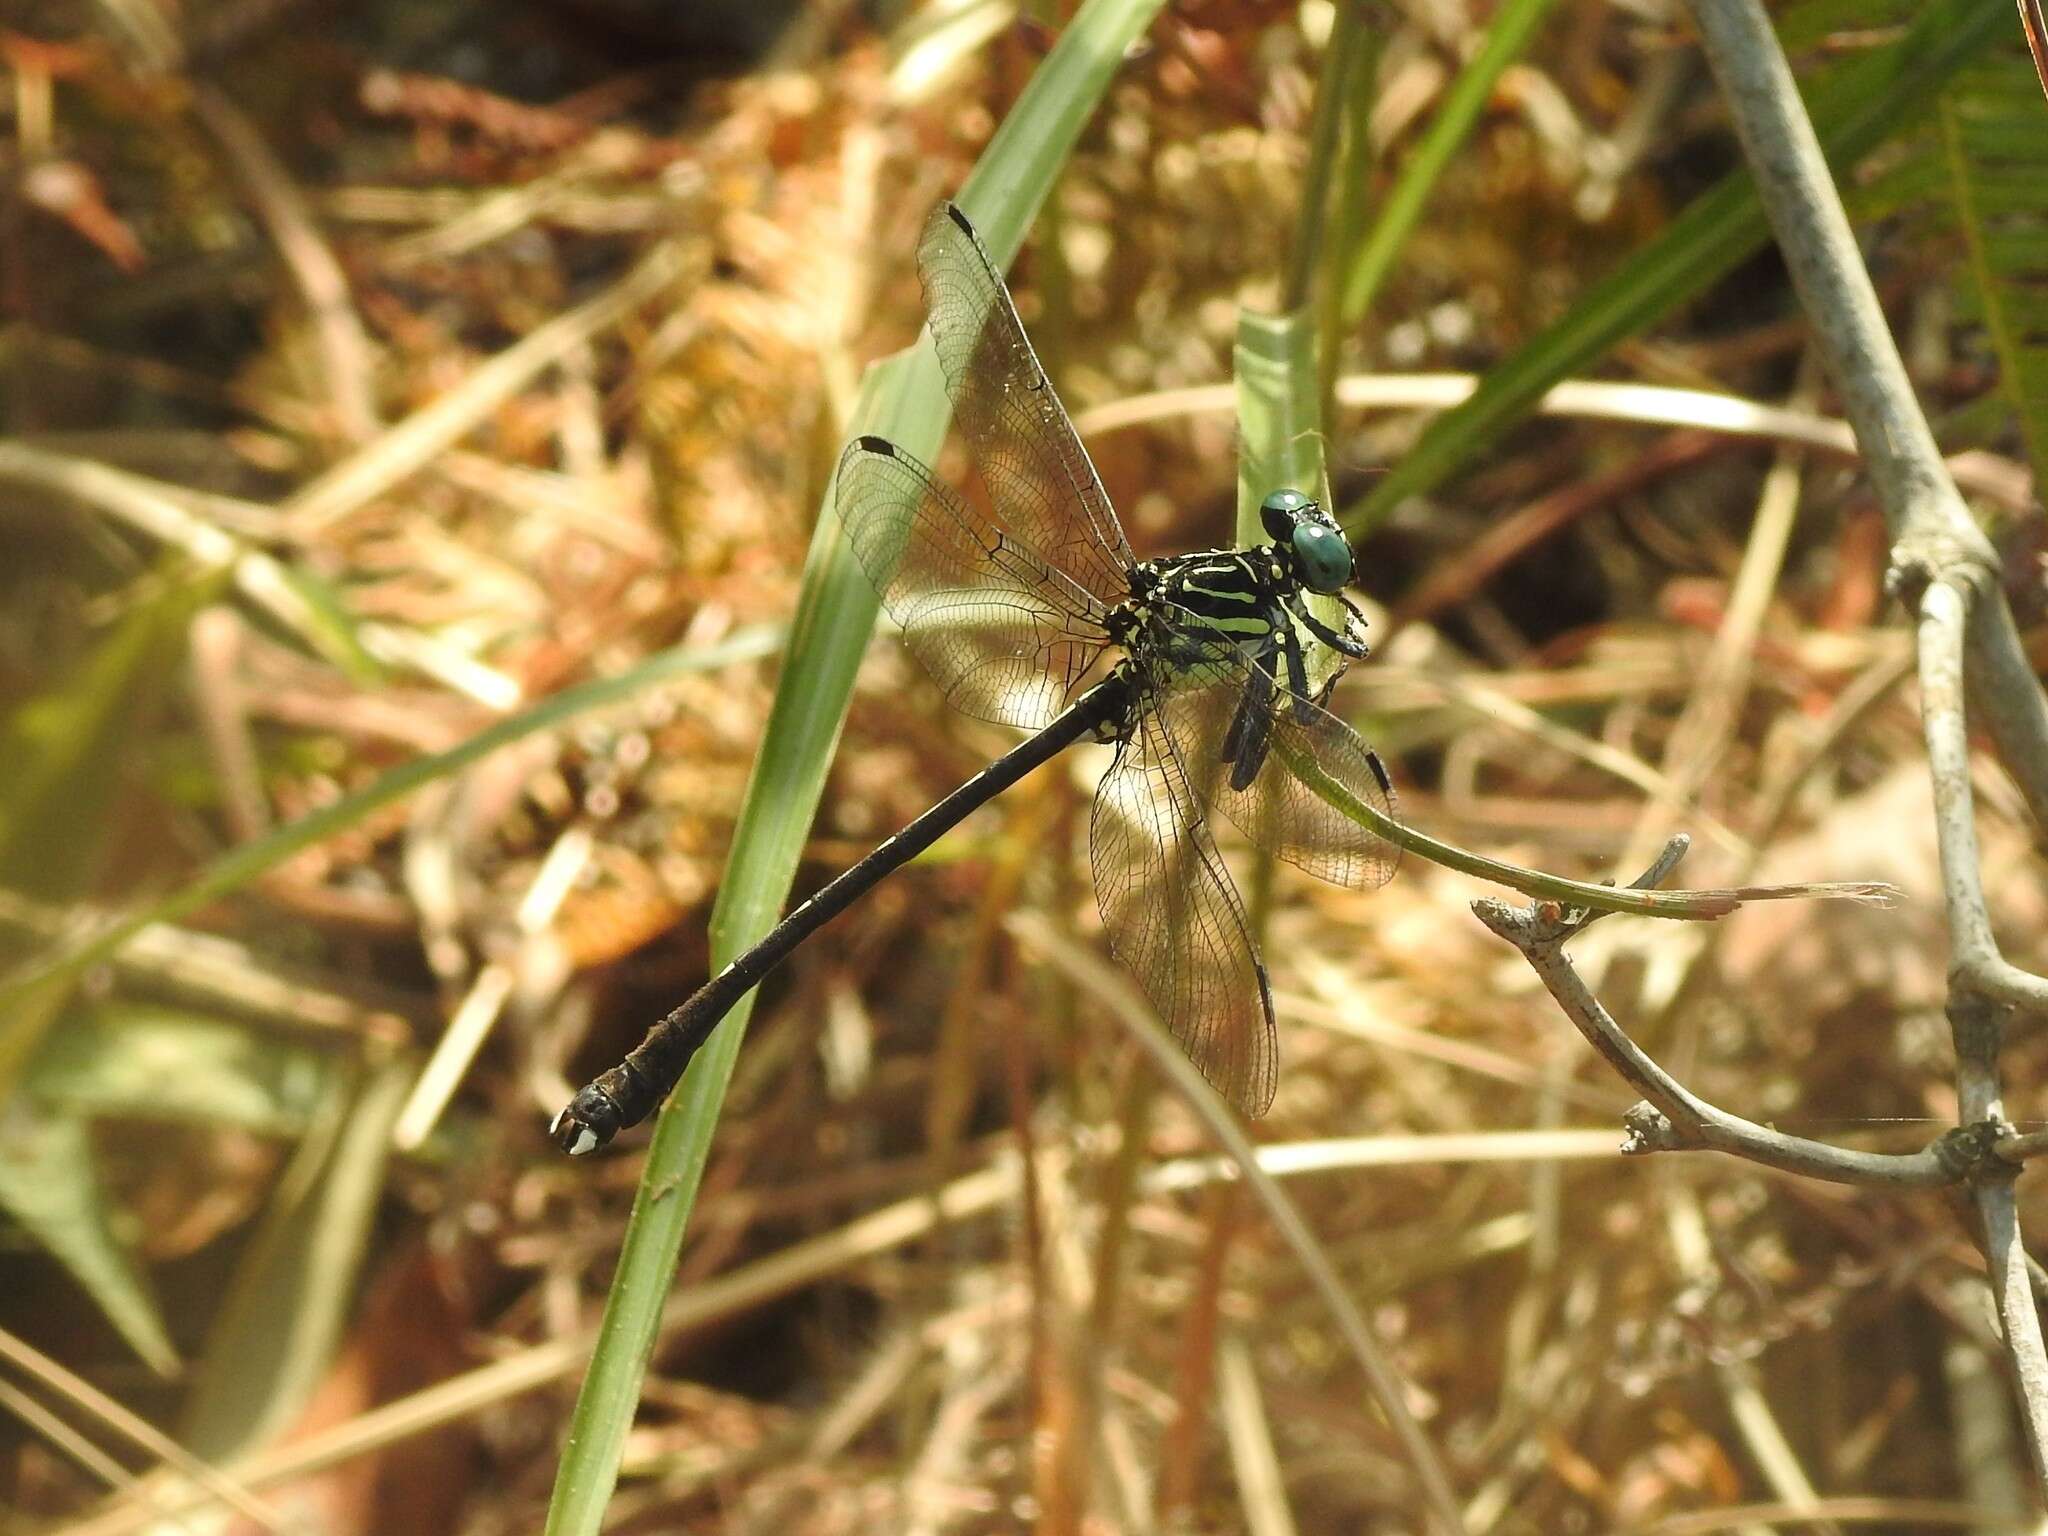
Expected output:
(1276, 810)
(1011, 614)
(1044, 488)
(1006, 635)
(1173, 916)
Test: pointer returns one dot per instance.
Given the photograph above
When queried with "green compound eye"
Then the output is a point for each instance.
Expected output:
(1279, 513)
(1324, 555)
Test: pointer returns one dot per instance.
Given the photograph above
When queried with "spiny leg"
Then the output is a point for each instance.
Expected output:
(1250, 733)
(1347, 643)
(1297, 675)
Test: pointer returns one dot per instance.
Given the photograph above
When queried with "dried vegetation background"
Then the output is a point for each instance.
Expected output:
(636, 265)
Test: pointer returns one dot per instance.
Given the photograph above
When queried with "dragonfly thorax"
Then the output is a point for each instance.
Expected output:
(1186, 612)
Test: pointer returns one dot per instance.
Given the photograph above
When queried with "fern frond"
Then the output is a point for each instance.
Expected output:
(1994, 150)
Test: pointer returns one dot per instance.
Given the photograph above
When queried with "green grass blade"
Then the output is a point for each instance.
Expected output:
(1353, 197)
(1855, 108)
(1513, 24)
(1280, 444)
(904, 400)
(2004, 272)
(1280, 437)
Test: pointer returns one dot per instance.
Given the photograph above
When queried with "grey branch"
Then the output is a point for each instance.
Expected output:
(1969, 654)
(1674, 1118)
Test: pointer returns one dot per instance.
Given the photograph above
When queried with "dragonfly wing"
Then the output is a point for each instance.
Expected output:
(1005, 635)
(1172, 914)
(1039, 476)
(1276, 810)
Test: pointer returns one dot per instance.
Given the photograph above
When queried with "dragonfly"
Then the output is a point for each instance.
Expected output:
(1205, 672)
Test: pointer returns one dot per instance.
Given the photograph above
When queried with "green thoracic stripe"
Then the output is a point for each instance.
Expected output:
(1224, 599)
(1218, 600)
(1257, 624)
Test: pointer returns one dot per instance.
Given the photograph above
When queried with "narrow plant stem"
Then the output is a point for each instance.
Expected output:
(1382, 1376)
(1982, 988)
(1693, 905)
(1509, 34)
(1351, 203)
(1975, 962)
(1333, 87)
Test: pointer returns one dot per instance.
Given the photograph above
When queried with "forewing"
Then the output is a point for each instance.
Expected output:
(1039, 476)
(1173, 916)
(1276, 810)
(1005, 635)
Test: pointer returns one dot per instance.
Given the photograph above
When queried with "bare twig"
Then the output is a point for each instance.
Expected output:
(1672, 1117)
(1975, 964)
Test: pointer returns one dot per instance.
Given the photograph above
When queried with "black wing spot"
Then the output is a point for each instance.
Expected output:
(953, 212)
(880, 445)
(1379, 770)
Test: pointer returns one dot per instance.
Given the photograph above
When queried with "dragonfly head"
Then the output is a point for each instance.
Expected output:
(1299, 525)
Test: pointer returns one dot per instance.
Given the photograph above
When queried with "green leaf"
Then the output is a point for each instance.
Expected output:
(1280, 443)
(152, 1061)
(1855, 107)
(1280, 429)
(62, 758)
(902, 399)
(275, 1334)
(1996, 162)
(49, 1183)
(62, 754)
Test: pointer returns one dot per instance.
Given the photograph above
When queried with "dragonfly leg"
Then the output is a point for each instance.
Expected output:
(1347, 642)
(1250, 733)
(1297, 678)
(1297, 674)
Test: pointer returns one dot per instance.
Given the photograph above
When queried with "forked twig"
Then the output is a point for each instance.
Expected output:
(1672, 1117)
